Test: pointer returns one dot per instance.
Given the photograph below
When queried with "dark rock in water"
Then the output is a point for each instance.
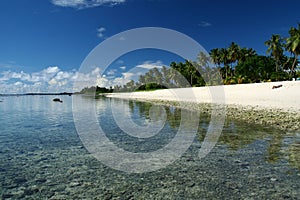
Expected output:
(57, 100)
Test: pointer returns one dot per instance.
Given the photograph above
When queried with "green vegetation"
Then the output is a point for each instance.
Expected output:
(232, 65)
(95, 90)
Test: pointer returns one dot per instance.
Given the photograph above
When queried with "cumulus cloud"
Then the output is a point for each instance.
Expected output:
(54, 79)
(111, 72)
(51, 79)
(81, 4)
(150, 65)
(126, 77)
(100, 32)
(43, 75)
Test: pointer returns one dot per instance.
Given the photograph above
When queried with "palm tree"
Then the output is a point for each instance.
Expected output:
(225, 59)
(130, 85)
(275, 48)
(191, 70)
(293, 44)
(142, 80)
(215, 56)
(245, 53)
(173, 73)
(158, 76)
(203, 59)
(165, 76)
(234, 51)
(204, 67)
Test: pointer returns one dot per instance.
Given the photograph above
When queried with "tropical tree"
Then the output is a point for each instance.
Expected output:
(158, 76)
(142, 79)
(245, 53)
(226, 60)
(203, 59)
(173, 73)
(207, 71)
(293, 44)
(215, 55)
(191, 71)
(234, 51)
(256, 68)
(275, 49)
(165, 76)
(130, 85)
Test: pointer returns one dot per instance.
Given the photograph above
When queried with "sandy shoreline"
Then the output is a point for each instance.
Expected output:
(257, 103)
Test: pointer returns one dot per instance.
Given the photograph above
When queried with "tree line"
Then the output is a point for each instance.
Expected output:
(229, 65)
(233, 64)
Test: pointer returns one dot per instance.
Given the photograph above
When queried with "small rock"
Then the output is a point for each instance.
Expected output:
(192, 184)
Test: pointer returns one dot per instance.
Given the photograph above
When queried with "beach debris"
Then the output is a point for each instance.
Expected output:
(276, 86)
(57, 100)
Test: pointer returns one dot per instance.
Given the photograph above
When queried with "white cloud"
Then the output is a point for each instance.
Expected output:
(51, 79)
(111, 72)
(45, 75)
(63, 75)
(18, 83)
(150, 65)
(103, 82)
(128, 75)
(51, 70)
(96, 72)
(69, 3)
(101, 31)
(52, 82)
(204, 24)
(81, 4)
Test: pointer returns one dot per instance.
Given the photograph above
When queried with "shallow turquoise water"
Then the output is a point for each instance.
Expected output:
(42, 156)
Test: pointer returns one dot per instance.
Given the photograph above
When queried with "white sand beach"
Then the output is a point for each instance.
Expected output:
(258, 95)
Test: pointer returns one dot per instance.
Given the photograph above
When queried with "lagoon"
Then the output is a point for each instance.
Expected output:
(42, 156)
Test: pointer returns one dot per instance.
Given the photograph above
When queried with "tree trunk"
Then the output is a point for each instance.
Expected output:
(294, 63)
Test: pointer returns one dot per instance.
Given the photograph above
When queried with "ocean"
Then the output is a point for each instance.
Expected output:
(102, 148)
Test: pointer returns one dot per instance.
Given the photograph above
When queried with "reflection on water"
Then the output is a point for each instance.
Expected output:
(42, 157)
(237, 135)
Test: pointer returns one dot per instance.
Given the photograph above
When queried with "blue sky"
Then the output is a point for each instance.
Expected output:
(44, 42)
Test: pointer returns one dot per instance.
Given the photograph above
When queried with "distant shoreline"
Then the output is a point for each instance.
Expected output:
(32, 94)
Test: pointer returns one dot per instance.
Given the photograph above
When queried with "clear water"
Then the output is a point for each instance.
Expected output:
(42, 156)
